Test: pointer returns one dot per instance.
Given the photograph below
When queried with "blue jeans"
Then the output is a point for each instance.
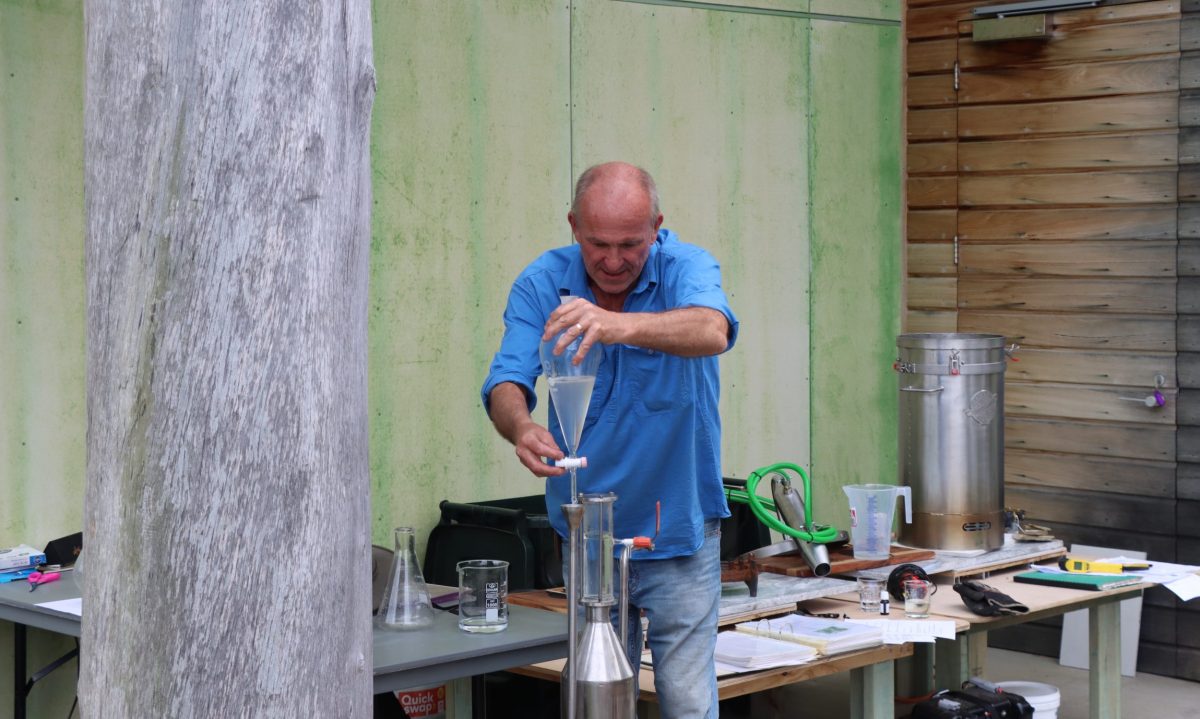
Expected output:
(680, 597)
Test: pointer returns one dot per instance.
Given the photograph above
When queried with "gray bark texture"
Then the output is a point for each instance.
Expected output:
(227, 189)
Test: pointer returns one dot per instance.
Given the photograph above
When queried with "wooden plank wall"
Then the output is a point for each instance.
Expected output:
(1057, 165)
(1188, 331)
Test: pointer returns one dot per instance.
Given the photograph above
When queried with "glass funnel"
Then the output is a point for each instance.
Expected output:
(570, 386)
(405, 603)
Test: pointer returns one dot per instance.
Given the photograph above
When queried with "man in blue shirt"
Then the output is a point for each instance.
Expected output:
(655, 308)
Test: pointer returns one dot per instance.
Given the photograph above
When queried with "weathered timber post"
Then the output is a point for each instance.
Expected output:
(227, 187)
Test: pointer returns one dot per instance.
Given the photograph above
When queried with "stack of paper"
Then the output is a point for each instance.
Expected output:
(749, 652)
(827, 636)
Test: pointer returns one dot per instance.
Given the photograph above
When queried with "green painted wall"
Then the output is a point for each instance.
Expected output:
(42, 366)
(775, 140)
(856, 265)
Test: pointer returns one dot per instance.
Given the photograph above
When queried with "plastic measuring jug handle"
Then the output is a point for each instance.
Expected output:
(906, 492)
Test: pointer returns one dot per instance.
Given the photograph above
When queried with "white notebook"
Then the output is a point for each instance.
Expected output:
(827, 636)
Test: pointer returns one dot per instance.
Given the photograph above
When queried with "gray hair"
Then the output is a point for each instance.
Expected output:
(589, 176)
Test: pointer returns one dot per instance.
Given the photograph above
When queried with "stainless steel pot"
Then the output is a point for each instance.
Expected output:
(952, 439)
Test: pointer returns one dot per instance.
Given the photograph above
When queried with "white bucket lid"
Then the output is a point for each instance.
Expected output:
(1035, 693)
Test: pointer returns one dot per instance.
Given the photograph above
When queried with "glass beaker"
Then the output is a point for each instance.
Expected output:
(405, 603)
(482, 595)
(598, 547)
(871, 511)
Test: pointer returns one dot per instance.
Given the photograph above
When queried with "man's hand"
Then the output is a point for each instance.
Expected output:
(510, 415)
(533, 442)
(686, 332)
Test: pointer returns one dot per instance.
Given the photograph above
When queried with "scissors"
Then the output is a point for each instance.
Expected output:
(42, 578)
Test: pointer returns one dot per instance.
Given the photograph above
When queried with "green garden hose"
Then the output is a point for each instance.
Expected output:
(764, 509)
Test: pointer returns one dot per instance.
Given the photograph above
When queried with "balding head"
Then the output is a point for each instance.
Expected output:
(616, 182)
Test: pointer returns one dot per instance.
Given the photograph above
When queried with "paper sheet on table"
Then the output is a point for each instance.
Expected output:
(66, 606)
(900, 631)
(1186, 588)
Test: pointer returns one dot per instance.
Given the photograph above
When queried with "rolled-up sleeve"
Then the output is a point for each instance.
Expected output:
(698, 279)
(517, 359)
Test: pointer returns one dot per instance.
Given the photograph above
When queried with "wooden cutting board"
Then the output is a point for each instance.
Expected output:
(841, 561)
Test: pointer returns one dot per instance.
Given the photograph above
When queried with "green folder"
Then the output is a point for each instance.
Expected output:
(1093, 582)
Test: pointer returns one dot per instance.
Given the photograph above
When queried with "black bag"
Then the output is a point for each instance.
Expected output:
(973, 702)
(987, 601)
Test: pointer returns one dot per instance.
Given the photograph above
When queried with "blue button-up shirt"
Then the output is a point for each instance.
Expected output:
(652, 432)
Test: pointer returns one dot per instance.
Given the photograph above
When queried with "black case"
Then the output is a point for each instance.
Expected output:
(973, 702)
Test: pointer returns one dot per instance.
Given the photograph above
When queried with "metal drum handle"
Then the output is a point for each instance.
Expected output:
(939, 388)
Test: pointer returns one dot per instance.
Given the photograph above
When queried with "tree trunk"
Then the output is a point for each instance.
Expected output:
(228, 233)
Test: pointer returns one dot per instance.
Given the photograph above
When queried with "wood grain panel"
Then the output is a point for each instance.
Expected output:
(1189, 71)
(932, 224)
(1129, 258)
(930, 321)
(1188, 259)
(931, 258)
(1189, 108)
(1092, 367)
(1187, 445)
(932, 191)
(1187, 411)
(931, 55)
(931, 90)
(1189, 145)
(1078, 152)
(1079, 188)
(1067, 224)
(1068, 81)
(1187, 295)
(1121, 512)
(1068, 295)
(933, 22)
(1189, 33)
(1120, 11)
(1189, 221)
(1082, 331)
(1189, 183)
(932, 293)
(1097, 474)
(1188, 336)
(932, 157)
(1187, 366)
(1106, 439)
(1044, 399)
(1070, 44)
(935, 124)
(1108, 114)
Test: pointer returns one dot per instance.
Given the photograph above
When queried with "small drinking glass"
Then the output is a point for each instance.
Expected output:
(482, 596)
(868, 593)
(917, 595)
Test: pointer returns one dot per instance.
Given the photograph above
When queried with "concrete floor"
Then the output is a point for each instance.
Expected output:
(1145, 696)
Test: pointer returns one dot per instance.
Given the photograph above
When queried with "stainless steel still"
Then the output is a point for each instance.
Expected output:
(952, 439)
(599, 678)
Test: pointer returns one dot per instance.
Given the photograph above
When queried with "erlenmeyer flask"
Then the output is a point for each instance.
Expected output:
(405, 603)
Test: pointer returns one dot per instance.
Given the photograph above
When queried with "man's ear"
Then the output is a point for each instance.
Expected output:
(657, 223)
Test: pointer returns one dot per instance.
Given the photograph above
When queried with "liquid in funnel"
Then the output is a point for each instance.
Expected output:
(571, 397)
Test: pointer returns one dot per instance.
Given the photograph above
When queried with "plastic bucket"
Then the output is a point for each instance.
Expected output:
(1043, 698)
(871, 512)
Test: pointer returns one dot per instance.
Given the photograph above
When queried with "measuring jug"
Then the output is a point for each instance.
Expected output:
(871, 507)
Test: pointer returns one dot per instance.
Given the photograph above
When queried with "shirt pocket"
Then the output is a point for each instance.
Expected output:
(657, 381)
